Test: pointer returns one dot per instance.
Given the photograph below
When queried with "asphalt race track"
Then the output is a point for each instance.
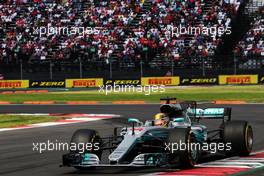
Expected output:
(16, 147)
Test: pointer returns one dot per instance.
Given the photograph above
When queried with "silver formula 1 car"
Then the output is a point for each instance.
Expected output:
(180, 142)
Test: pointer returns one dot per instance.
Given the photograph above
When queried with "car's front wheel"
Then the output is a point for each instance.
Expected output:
(182, 150)
(84, 137)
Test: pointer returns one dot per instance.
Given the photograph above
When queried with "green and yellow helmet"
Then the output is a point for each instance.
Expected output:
(161, 119)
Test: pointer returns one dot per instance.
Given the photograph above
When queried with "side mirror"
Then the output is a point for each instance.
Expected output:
(178, 120)
(133, 120)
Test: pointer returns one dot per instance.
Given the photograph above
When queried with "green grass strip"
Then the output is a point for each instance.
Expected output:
(7, 121)
(246, 93)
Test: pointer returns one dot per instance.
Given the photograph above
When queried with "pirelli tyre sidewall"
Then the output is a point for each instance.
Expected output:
(240, 135)
(184, 158)
(86, 136)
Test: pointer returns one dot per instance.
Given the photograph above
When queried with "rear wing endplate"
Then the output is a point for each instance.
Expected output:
(211, 113)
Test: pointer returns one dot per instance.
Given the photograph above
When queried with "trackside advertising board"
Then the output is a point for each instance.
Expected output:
(167, 81)
(89, 82)
(261, 79)
(238, 79)
(47, 84)
(134, 82)
(14, 84)
(199, 81)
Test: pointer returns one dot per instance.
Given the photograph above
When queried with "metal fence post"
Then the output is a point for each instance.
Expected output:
(21, 69)
(110, 68)
(141, 68)
(172, 67)
(51, 74)
(235, 64)
(81, 70)
(203, 65)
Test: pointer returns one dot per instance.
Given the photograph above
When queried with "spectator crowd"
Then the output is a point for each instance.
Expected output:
(252, 43)
(156, 31)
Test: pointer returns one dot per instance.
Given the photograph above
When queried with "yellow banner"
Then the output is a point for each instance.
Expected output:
(167, 81)
(91, 82)
(238, 79)
(14, 84)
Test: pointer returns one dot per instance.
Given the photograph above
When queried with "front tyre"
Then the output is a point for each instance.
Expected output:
(84, 136)
(185, 156)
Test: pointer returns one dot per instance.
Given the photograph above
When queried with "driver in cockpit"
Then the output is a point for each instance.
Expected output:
(161, 119)
(179, 118)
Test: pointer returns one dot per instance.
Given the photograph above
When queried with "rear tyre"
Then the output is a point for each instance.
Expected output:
(187, 155)
(240, 135)
(84, 136)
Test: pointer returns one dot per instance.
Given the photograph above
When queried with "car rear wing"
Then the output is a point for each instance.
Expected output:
(168, 100)
(211, 113)
(170, 106)
(184, 104)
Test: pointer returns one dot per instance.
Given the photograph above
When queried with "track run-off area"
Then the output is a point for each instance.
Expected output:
(18, 158)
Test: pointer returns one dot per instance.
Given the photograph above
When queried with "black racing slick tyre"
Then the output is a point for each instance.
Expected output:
(239, 135)
(184, 155)
(84, 136)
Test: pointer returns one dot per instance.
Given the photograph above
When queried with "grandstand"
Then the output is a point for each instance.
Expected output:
(129, 38)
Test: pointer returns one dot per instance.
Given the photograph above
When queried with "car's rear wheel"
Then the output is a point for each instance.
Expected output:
(84, 136)
(240, 136)
(186, 155)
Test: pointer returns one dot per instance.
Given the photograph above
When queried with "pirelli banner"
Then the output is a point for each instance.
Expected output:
(238, 79)
(134, 82)
(199, 81)
(167, 81)
(79, 83)
(261, 79)
(14, 84)
(47, 84)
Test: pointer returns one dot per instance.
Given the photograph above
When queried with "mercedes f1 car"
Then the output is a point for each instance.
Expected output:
(180, 142)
